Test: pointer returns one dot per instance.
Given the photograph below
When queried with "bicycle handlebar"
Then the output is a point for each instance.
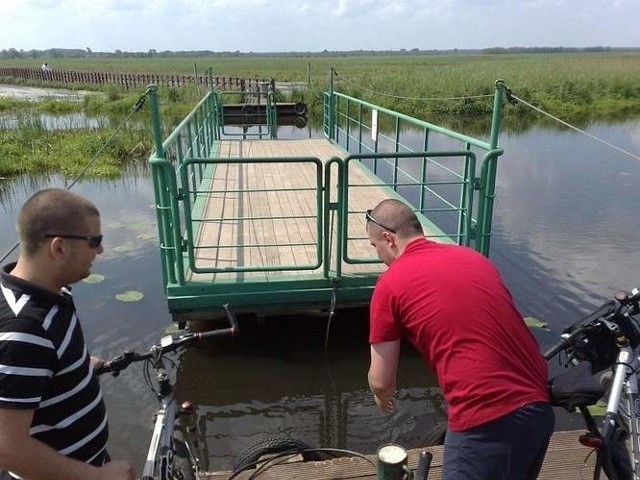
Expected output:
(606, 311)
(168, 343)
(557, 348)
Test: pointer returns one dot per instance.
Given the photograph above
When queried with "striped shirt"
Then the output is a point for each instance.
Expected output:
(45, 367)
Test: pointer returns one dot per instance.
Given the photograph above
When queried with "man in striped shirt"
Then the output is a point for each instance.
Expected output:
(53, 423)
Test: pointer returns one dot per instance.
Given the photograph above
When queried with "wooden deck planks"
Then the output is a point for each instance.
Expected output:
(566, 459)
(248, 228)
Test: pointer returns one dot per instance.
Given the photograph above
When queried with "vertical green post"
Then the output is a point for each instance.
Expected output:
(156, 125)
(309, 75)
(332, 114)
(488, 175)
(160, 185)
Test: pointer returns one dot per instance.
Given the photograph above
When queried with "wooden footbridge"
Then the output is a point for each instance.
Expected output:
(272, 225)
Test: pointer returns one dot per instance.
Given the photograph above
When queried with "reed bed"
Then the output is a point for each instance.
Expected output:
(575, 86)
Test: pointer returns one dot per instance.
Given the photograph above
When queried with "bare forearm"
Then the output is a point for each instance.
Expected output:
(33, 460)
(382, 373)
(381, 390)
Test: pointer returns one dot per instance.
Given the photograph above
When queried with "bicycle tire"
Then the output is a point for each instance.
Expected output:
(436, 435)
(249, 457)
(182, 464)
(620, 461)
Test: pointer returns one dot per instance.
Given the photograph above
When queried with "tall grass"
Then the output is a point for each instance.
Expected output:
(566, 83)
(574, 86)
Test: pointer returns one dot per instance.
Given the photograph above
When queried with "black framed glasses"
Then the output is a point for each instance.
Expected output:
(371, 218)
(94, 241)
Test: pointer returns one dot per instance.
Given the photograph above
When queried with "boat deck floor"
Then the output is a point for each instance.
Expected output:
(264, 215)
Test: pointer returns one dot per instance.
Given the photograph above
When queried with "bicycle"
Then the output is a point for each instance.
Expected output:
(172, 454)
(604, 343)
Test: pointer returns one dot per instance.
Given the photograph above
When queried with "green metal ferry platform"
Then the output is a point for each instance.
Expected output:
(272, 226)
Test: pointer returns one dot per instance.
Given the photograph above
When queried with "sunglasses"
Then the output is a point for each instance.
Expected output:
(371, 218)
(94, 240)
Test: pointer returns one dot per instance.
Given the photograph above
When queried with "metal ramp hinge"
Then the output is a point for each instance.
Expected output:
(472, 233)
(477, 184)
(180, 195)
(184, 245)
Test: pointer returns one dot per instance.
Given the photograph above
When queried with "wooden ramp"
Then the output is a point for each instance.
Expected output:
(265, 214)
(566, 460)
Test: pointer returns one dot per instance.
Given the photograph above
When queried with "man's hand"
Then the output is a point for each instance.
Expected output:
(387, 406)
(382, 373)
(116, 470)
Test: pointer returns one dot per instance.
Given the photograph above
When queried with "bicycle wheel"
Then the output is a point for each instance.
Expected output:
(183, 468)
(620, 461)
(250, 456)
(436, 435)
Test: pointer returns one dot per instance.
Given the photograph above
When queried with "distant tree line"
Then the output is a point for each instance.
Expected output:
(12, 53)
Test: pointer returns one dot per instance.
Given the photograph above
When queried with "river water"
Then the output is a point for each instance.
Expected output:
(565, 238)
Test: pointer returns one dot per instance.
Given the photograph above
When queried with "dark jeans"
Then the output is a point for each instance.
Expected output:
(510, 448)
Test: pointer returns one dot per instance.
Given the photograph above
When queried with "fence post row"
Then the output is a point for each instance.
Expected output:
(126, 80)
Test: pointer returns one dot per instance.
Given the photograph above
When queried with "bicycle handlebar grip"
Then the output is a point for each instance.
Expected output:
(553, 351)
(106, 367)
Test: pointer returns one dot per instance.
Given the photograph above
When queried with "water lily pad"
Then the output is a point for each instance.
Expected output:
(127, 247)
(130, 296)
(94, 278)
(147, 236)
(533, 322)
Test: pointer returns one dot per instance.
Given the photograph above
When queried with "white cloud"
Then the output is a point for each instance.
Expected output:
(302, 25)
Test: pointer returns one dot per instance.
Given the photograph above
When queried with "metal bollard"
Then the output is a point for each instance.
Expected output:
(424, 463)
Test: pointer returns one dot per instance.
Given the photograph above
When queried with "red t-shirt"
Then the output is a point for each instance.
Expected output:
(452, 305)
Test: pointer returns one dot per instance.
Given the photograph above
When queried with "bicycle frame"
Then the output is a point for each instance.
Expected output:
(161, 442)
(160, 457)
(168, 458)
(623, 403)
(608, 338)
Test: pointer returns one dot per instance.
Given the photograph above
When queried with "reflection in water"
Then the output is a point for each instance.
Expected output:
(564, 237)
(45, 121)
(277, 380)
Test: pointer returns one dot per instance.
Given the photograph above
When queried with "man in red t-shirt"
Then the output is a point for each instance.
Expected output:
(451, 304)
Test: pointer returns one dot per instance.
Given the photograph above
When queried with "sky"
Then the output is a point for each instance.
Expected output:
(316, 25)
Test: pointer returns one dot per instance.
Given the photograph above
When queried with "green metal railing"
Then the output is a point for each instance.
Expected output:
(385, 137)
(432, 168)
(258, 125)
(195, 212)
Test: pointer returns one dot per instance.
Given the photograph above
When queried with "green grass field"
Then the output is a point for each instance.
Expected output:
(577, 87)
(564, 83)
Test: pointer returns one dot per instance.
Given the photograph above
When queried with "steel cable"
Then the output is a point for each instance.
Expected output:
(136, 108)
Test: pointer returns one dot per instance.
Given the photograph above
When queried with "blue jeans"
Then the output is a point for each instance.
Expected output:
(510, 448)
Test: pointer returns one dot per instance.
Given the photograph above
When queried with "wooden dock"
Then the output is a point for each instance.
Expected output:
(566, 460)
(264, 214)
(273, 225)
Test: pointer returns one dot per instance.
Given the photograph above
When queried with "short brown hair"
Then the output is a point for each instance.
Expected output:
(399, 216)
(52, 211)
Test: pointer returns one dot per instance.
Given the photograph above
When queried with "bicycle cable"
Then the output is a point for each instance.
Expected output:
(282, 457)
(136, 108)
